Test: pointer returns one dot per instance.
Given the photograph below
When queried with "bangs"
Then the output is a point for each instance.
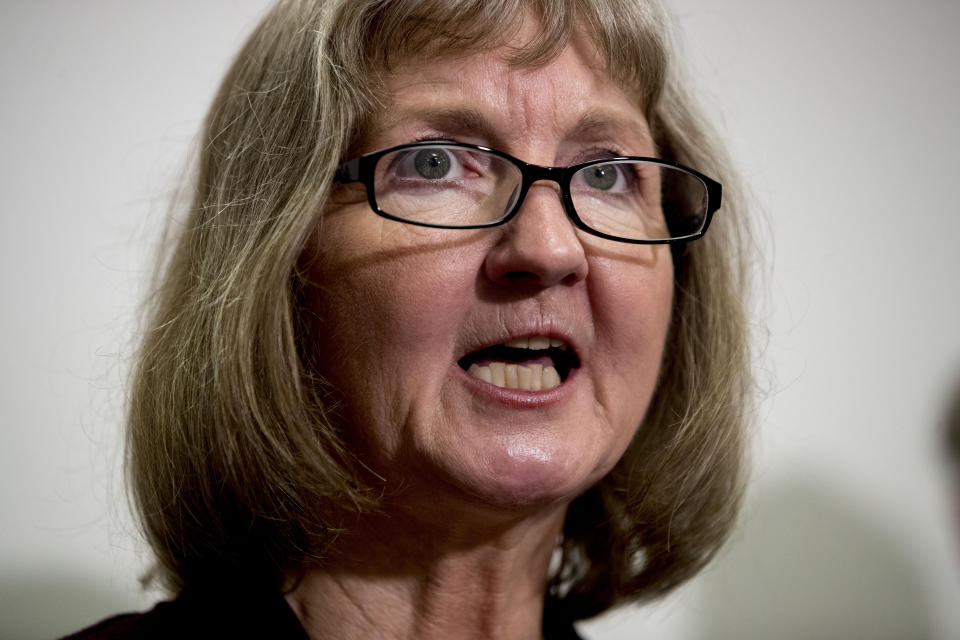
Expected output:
(628, 36)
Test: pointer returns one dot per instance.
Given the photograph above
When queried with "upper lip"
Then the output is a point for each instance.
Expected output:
(571, 343)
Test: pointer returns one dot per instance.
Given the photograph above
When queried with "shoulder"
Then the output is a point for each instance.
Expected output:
(164, 620)
(204, 615)
(559, 628)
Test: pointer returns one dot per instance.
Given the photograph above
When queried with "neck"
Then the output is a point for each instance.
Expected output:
(399, 576)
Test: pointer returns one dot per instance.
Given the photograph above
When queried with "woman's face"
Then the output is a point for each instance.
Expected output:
(402, 311)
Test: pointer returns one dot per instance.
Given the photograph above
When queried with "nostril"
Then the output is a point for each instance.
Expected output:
(518, 276)
(522, 282)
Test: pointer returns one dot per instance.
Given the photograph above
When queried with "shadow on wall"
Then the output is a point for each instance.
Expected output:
(44, 607)
(804, 565)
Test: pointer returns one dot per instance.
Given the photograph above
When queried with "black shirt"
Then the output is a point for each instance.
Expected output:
(240, 614)
(248, 614)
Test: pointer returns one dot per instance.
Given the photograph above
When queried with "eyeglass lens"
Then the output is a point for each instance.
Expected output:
(456, 186)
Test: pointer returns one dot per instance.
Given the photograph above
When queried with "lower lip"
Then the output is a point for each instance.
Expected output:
(520, 398)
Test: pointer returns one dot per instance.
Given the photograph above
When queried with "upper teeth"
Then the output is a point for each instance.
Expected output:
(536, 342)
(533, 376)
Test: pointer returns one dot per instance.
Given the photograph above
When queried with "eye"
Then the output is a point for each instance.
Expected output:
(602, 176)
(609, 178)
(431, 163)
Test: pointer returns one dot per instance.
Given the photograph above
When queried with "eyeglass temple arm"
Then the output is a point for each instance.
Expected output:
(714, 195)
(348, 171)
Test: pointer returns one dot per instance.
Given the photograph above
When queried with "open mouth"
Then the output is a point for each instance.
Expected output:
(535, 363)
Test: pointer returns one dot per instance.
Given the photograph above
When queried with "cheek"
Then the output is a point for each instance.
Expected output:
(370, 281)
(634, 300)
(406, 306)
(633, 311)
(385, 305)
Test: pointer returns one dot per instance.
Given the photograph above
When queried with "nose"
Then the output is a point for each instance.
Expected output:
(539, 247)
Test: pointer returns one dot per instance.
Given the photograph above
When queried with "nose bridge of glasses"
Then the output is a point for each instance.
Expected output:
(533, 173)
(536, 175)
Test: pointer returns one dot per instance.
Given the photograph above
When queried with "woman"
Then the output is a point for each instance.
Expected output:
(401, 379)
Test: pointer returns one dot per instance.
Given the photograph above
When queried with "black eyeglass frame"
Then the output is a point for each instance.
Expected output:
(362, 169)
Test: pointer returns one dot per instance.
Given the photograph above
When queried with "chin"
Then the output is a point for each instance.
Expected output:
(527, 477)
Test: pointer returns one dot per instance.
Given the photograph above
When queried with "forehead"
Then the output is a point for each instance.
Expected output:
(486, 93)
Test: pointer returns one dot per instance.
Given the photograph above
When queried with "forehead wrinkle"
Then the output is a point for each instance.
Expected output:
(546, 105)
(597, 124)
(485, 97)
(537, 104)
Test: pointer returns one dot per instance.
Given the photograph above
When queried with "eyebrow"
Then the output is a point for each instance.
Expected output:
(456, 120)
(598, 124)
(591, 126)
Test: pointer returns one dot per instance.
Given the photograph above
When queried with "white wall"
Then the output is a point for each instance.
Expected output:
(842, 116)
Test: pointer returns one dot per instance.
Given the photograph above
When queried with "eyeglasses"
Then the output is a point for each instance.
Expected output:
(463, 186)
